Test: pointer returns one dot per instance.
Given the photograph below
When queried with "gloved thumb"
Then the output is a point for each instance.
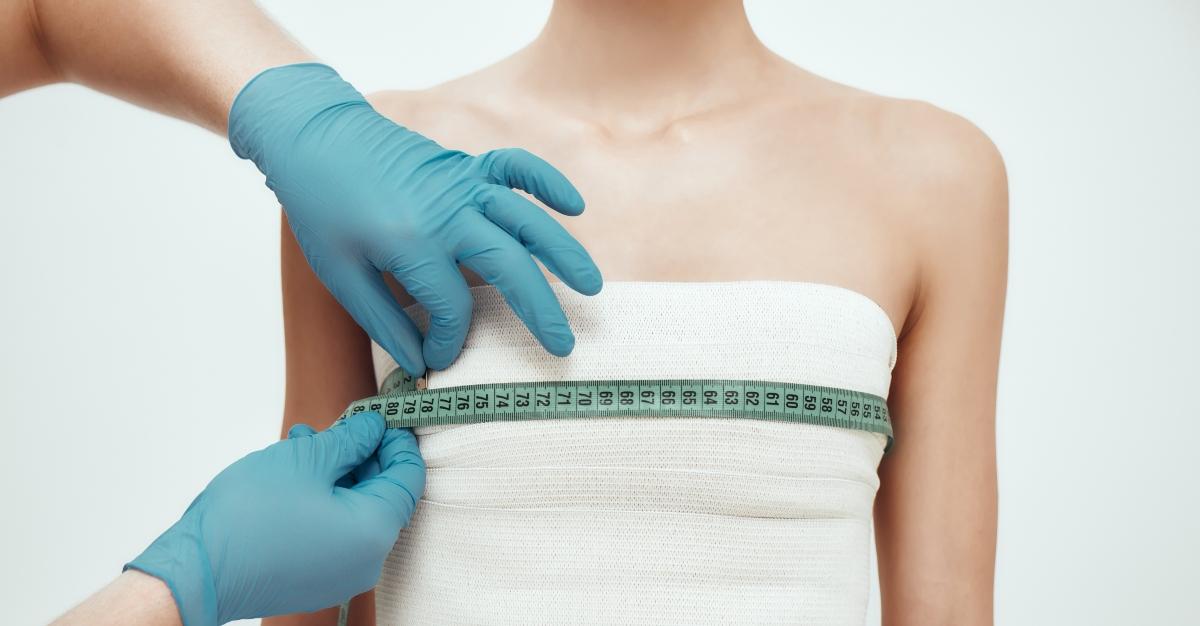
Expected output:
(301, 430)
(401, 480)
(348, 443)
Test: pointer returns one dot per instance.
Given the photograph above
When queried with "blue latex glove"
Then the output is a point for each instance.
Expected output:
(298, 526)
(364, 195)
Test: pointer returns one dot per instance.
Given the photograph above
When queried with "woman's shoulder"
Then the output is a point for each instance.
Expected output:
(941, 162)
(903, 135)
(932, 177)
(915, 137)
(438, 112)
(927, 161)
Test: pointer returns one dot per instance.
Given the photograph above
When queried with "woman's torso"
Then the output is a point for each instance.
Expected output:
(778, 226)
(650, 520)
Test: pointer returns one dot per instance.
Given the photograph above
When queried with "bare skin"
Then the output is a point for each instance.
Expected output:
(187, 59)
(131, 598)
(679, 126)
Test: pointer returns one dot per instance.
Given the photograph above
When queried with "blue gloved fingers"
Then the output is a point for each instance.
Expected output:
(304, 430)
(300, 430)
(544, 236)
(348, 443)
(501, 261)
(521, 169)
(366, 297)
(365, 470)
(401, 480)
(436, 282)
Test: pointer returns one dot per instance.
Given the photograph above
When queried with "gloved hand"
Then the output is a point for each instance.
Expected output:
(364, 195)
(300, 525)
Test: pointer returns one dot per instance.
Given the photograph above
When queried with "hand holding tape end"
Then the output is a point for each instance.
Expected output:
(364, 195)
(300, 525)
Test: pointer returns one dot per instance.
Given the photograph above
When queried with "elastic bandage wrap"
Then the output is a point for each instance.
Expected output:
(650, 520)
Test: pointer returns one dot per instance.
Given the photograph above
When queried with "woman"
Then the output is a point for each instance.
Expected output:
(752, 221)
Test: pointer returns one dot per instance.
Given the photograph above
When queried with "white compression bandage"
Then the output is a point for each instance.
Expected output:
(650, 520)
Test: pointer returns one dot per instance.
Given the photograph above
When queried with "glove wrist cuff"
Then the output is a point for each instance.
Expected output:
(275, 105)
(178, 559)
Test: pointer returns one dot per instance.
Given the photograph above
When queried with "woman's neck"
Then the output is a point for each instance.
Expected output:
(631, 65)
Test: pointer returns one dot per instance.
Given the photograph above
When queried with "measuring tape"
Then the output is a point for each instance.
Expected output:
(404, 402)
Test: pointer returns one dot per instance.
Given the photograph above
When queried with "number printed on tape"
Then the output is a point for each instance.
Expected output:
(405, 403)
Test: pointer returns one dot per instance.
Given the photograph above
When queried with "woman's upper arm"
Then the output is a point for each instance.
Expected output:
(329, 361)
(935, 512)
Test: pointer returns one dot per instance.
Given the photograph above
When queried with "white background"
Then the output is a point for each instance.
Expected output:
(139, 266)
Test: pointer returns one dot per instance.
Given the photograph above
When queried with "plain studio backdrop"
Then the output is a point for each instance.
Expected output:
(140, 271)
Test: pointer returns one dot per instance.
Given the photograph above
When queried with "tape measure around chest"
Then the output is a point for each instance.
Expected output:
(405, 403)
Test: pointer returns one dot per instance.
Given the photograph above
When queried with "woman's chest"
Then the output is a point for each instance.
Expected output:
(725, 215)
(721, 206)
